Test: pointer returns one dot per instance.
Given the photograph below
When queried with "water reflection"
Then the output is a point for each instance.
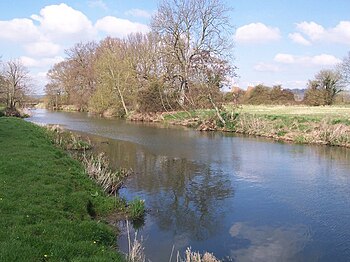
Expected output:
(266, 243)
(183, 196)
(250, 198)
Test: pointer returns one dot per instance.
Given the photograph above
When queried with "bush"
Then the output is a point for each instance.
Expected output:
(266, 95)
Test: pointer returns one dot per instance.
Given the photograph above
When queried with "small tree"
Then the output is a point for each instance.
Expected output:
(14, 83)
(323, 89)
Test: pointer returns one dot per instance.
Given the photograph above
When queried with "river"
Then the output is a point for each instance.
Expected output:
(246, 198)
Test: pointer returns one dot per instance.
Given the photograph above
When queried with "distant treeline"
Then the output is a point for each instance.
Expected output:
(319, 92)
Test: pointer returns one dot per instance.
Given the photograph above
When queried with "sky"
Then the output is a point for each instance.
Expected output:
(275, 41)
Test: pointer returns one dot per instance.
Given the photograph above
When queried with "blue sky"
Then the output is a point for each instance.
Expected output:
(276, 41)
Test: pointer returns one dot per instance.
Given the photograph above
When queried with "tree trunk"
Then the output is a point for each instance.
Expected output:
(217, 111)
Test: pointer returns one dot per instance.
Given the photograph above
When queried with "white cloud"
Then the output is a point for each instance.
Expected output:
(313, 32)
(98, 4)
(257, 33)
(325, 60)
(41, 62)
(296, 84)
(284, 58)
(118, 27)
(341, 33)
(39, 81)
(63, 22)
(299, 39)
(22, 30)
(318, 60)
(42, 49)
(138, 13)
(265, 67)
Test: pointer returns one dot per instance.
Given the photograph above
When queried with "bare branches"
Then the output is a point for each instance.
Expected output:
(15, 83)
(344, 69)
(192, 31)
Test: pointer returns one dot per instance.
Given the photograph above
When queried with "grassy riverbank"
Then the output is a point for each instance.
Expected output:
(328, 125)
(50, 210)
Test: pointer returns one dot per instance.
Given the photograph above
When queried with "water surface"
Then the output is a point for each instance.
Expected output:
(245, 198)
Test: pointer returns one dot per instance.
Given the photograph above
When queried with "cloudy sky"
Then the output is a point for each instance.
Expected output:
(276, 41)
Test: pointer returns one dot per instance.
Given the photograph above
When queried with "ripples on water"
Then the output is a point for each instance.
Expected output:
(245, 198)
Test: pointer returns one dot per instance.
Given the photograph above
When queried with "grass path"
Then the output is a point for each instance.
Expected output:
(46, 202)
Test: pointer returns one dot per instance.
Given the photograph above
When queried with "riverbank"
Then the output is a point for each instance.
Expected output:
(50, 209)
(297, 124)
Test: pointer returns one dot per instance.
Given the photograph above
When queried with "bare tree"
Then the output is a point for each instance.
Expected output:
(15, 83)
(191, 31)
(344, 69)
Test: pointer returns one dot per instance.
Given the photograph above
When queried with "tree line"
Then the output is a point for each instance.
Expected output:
(181, 64)
(324, 89)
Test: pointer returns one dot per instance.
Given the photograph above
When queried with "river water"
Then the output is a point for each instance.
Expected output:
(245, 198)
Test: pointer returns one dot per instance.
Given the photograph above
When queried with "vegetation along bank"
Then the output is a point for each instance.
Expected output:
(329, 125)
(50, 209)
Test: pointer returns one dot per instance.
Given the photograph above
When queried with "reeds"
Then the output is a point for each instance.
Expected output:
(97, 168)
(191, 256)
(67, 140)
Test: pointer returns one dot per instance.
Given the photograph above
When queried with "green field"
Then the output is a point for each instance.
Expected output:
(319, 111)
(50, 210)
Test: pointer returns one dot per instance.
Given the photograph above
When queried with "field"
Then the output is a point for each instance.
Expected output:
(306, 111)
(50, 210)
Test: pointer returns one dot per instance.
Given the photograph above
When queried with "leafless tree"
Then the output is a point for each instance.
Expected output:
(15, 83)
(344, 69)
(189, 30)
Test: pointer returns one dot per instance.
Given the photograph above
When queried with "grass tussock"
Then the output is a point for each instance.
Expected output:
(136, 209)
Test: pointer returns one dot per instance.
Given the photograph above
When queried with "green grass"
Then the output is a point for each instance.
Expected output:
(182, 115)
(299, 111)
(47, 202)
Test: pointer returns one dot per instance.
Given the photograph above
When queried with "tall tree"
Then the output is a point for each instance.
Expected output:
(191, 31)
(15, 83)
(59, 88)
(115, 71)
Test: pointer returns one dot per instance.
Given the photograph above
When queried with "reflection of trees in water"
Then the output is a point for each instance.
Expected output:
(185, 196)
(188, 198)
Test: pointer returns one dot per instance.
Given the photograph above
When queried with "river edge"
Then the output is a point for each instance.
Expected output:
(51, 209)
(104, 216)
(289, 129)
